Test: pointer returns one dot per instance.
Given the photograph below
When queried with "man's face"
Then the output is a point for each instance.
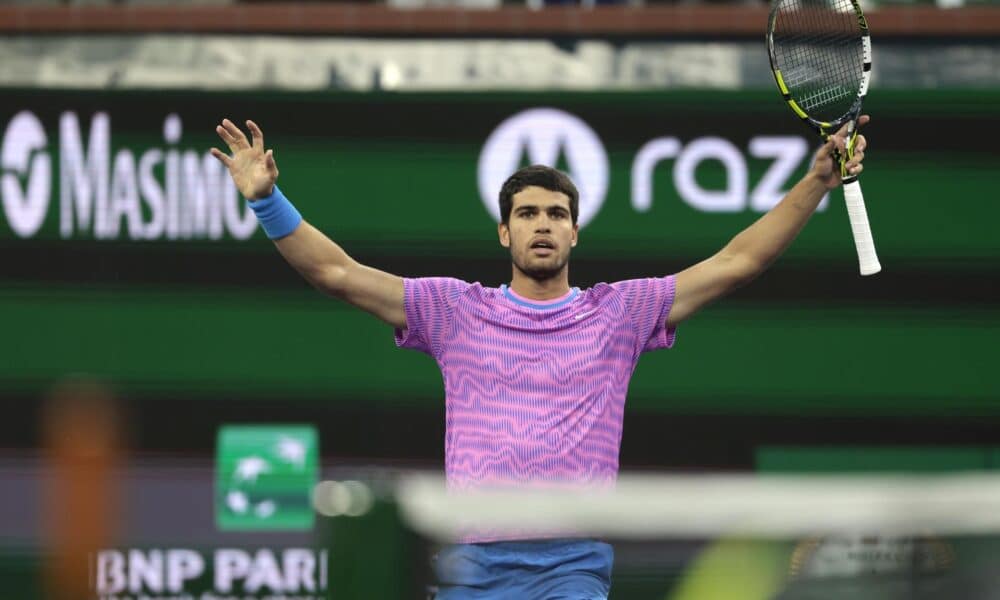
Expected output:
(540, 233)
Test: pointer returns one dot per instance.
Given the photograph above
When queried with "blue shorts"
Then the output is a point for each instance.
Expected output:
(538, 570)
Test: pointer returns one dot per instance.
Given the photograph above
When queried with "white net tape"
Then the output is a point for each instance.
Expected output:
(708, 506)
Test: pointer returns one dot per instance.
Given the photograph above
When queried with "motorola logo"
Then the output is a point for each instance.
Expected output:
(559, 139)
(551, 137)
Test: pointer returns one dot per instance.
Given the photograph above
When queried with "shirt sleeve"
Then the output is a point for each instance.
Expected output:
(647, 304)
(429, 303)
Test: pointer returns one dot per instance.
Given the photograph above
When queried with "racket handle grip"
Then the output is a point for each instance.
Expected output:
(858, 216)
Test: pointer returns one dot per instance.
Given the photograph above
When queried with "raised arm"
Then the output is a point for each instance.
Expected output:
(316, 257)
(752, 251)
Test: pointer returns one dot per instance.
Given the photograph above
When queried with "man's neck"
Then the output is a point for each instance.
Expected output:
(534, 289)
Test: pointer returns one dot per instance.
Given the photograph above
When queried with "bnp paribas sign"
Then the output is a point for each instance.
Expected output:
(265, 475)
(160, 193)
(219, 574)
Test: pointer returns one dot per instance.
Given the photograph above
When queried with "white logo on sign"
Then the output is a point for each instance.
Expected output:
(249, 468)
(293, 451)
(543, 134)
(237, 502)
(25, 209)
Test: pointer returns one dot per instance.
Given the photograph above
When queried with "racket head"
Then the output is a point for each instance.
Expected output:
(820, 54)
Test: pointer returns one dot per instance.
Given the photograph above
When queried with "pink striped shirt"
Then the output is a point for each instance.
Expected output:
(535, 391)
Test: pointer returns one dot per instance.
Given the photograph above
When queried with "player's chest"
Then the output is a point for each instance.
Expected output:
(571, 340)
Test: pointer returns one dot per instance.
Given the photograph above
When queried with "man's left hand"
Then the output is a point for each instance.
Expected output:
(826, 169)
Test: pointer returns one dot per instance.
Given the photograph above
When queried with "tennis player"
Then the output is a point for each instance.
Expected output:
(535, 371)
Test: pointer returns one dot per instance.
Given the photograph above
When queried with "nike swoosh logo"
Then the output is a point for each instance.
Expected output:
(583, 314)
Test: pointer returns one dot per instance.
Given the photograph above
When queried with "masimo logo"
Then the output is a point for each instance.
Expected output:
(549, 136)
(20, 159)
(159, 193)
(543, 136)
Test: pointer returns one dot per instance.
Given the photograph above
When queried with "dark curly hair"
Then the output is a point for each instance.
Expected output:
(540, 176)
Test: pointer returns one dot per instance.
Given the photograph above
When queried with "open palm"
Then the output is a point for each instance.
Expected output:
(253, 170)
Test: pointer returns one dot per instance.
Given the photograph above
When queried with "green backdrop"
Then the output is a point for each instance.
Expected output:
(393, 178)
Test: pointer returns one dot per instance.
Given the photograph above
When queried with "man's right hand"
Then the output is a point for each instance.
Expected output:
(252, 169)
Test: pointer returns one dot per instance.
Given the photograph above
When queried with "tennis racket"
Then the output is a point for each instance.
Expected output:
(821, 55)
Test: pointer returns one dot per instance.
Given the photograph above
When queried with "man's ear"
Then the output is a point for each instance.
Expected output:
(503, 232)
(576, 232)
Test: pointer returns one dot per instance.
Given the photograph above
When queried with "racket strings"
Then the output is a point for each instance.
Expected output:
(818, 48)
(825, 96)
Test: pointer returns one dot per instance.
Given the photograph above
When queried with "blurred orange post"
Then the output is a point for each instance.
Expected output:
(82, 440)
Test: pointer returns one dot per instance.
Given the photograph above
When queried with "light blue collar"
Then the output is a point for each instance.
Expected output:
(573, 293)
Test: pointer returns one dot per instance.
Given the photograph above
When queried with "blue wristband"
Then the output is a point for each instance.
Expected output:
(276, 214)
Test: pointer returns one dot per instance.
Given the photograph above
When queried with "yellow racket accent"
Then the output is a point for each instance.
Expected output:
(784, 92)
(798, 111)
(851, 140)
(781, 82)
(849, 147)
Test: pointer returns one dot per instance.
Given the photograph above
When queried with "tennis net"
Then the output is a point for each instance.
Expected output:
(746, 537)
